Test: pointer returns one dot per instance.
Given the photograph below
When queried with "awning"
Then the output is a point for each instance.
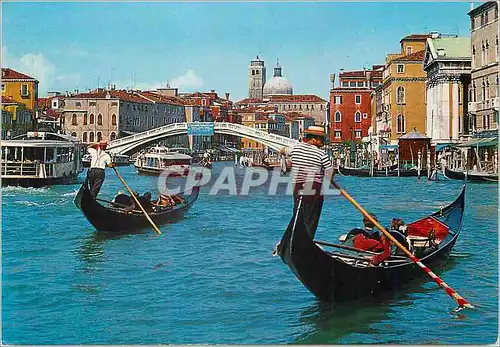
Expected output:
(441, 146)
(481, 142)
(388, 146)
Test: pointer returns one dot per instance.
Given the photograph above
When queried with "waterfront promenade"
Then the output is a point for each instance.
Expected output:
(211, 278)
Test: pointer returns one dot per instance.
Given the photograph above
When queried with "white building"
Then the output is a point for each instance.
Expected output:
(447, 62)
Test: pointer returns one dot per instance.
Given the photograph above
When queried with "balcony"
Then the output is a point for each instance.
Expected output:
(474, 106)
(495, 103)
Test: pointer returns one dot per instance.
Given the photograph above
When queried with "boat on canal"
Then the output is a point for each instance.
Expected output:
(38, 159)
(160, 159)
(392, 171)
(111, 216)
(117, 159)
(471, 176)
(345, 272)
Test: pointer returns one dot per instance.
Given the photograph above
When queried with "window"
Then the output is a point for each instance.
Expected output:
(307, 107)
(486, 121)
(357, 133)
(484, 91)
(357, 117)
(203, 102)
(73, 119)
(84, 136)
(400, 126)
(352, 84)
(337, 134)
(256, 72)
(473, 55)
(85, 119)
(400, 95)
(496, 48)
(486, 17)
(113, 119)
(401, 68)
(459, 95)
(54, 104)
(92, 118)
(253, 72)
(312, 107)
(78, 104)
(409, 50)
(338, 117)
(114, 103)
(112, 136)
(357, 99)
(337, 99)
(361, 84)
(91, 136)
(3, 87)
(92, 103)
(99, 136)
(365, 115)
(99, 119)
(24, 90)
(345, 84)
(73, 134)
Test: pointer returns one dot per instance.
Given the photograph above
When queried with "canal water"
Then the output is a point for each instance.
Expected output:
(211, 277)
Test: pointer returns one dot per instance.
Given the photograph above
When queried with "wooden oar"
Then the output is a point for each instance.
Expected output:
(461, 301)
(137, 202)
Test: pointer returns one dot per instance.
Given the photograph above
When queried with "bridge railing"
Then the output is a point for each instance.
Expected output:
(233, 129)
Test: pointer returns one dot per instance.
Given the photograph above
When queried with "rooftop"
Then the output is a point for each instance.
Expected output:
(9, 74)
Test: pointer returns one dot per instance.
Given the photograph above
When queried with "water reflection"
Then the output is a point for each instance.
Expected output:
(354, 321)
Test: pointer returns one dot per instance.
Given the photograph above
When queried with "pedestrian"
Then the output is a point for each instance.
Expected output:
(99, 160)
(310, 167)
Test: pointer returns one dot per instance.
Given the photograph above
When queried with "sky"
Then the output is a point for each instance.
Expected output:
(200, 46)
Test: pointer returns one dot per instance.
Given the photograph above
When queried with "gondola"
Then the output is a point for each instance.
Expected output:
(345, 273)
(390, 172)
(471, 177)
(113, 218)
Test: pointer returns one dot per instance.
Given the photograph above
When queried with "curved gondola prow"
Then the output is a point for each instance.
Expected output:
(452, 215)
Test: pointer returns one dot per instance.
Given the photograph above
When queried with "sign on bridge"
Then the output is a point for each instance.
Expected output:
(200, 129)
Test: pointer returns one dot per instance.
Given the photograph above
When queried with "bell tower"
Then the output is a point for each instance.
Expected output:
(256, 78)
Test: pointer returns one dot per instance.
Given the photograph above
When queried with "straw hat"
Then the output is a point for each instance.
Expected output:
(315, 130)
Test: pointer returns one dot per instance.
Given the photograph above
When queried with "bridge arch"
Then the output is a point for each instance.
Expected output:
(132, 143)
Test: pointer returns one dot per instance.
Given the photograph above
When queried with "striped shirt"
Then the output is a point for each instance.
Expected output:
(309, 163)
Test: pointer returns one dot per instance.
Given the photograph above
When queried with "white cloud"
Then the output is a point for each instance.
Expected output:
(71, 78)
(188, 81)
(33, 64)
(36, 65)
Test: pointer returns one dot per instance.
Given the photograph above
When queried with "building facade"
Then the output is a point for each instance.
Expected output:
(403, 91)
(447, 63)
(350, 106)
(308, 105)
(107, 114)
(483, 90)
(21, 93)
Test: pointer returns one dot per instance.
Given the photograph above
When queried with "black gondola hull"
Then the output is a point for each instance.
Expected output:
(334, 278)
(381, 173)
(115, 220)
(457, 175)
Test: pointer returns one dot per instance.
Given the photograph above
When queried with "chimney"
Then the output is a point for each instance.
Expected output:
(332, 79)
(227, 96)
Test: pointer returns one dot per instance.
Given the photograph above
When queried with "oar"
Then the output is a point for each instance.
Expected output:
(461, 301)
(137, 202)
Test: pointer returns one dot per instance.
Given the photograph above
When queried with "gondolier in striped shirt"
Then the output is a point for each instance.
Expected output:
(311, 166)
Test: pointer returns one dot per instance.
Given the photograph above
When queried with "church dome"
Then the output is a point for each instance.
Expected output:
(278, 85)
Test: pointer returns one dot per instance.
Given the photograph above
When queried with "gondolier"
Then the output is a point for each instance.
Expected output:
(100, 159)
(310, 168)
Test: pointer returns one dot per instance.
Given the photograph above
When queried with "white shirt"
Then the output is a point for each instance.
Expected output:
(99, 158)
